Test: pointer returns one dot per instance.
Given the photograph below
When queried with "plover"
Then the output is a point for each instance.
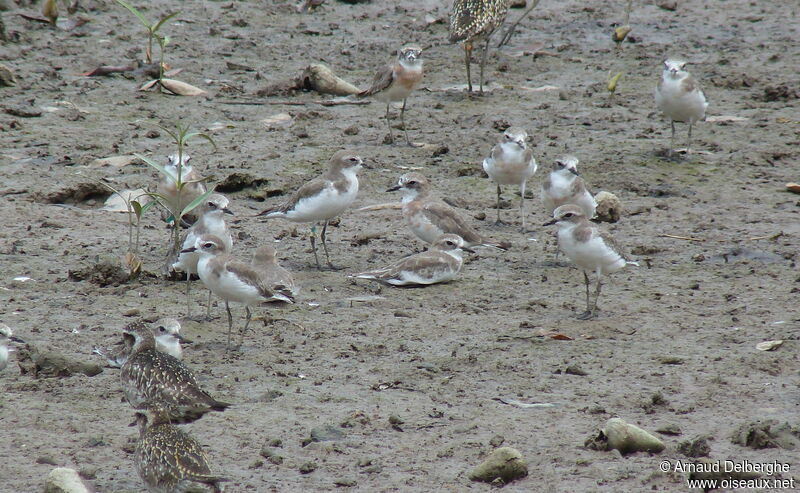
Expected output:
(193, 185)
(323, 198)
(439, 264)
(233, 280)
(589, 247)
(396, 81)
(168, 459)
(511, 163)
(472, 21)
(565, 186)
(679, 97)
(167, 332)
(265, 262)
(6, 335)
(155, 380)
(429, 218)
(212, 221)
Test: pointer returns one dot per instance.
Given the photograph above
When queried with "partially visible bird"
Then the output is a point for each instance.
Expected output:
(511, 163)
(6, 335)
(439, 264)
(167, 458)
(167, 332)
(473, 21)
(265, 262)
(212, 221)
(396, 81)
(233, 280)
(429, 218)
(680, 98)
(155, 380)
(565, 186)
(322, 198)
(193, 185)
(590, 247)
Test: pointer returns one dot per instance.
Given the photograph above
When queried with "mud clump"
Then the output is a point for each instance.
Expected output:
(767, 434)
(504, 464)
(106, 272)
(236, 182)
(51, 364)
(75, 194)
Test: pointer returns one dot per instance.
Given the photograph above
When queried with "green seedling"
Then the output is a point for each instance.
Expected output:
(136, 209)
(153, 34)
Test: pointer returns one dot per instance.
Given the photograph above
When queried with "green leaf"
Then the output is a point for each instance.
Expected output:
(147, 206)
(135, 12)
(162, 21)
(157, 166)
(194, 203)
(137, 208)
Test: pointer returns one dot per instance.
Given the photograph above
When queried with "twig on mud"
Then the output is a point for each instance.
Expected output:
(380, 207)
(524, 405)
(288, 322)
(767, 237)
(326, 102)
(680, 237)
(510, 32)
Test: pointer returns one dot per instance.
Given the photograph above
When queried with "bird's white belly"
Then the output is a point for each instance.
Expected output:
(591, 255)
(326, 205)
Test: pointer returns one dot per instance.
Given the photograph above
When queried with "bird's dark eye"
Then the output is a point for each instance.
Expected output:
(412, 182)
(212, 205)
(161, 328)
(682, 66)
(560, 164)
(208, 245)
(353, 159)
(568, 214)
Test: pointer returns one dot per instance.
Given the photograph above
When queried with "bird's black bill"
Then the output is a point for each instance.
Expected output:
(189, 250)
(393, 189)
(550, 222)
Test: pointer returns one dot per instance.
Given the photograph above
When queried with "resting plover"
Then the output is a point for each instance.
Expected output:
(6, 335)
(430, 218)
(472, 21)
(155, 380)
(233, 280)
(212, 221)
(265, 262)
(439, 264)
(396, 81)
(679, 97)
(591, 248)
(511, 163)
(167, 458)
(323, 198)
(167, 332)
(193, 185)
(565, 186)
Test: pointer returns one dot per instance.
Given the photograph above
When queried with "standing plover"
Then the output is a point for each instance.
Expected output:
(167, 332)
(565, 186)
(212, 221)
(280, 280)
(472, 21)
(511, 163)
(167, 458)
(6, 335)
(396, 81)
(439, 264)
(679, 97)
(232, 280)
(193, 185)
(589, 247)
(323, 198)
(430, 218)
(152, 379)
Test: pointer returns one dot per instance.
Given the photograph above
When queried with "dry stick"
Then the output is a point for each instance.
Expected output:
(510, 32)
(767, 237)
(680, 237)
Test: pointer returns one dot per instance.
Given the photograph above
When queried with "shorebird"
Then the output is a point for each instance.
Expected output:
(439, 264)
(396, 81)
(472, 21)
(511, 163)
(167, 332)
(429, 218)
(6, 335)
(152, 379)
(323, 198)
(565, 186)
(591, 248)
(679, 97)
(193, 185)
(167, 458)
(233, 280)
(280, 280)
(212, 221)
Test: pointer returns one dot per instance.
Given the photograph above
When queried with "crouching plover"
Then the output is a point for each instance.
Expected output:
(155, 380)
(167, 458)
(212, 221)
(565, 186)
(429, 218)
(439, 264)
(679, 97)
(265, 262)
(193, 185)
(323, 198)
(167, 332)
(233, 280)
(475, 20)
(511, 163)
(589, 247)
(6, 335)
(396, 81)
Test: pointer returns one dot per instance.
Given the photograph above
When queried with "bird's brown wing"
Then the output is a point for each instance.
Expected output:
(383, 78)
(449, 221)
(308, 189)
(613, 244)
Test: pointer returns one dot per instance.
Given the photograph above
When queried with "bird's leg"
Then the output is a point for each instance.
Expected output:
(208, 306)
(325, 245)
(588, 313)
(596, 295)
(672, 138)
(689, 140)
(522, 203)
(468, 55)
(403, 121)
(188, 298)
(246, 323)
(483, 61)
(230, 325)
(314, 245)
(498, 205)
(388, 123)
